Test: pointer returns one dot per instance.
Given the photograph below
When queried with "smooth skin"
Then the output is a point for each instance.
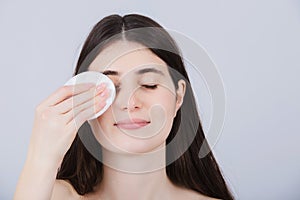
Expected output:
(55, 126)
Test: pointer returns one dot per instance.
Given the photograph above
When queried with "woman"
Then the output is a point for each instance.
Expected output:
(150, 136)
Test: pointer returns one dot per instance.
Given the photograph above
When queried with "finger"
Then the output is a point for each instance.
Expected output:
(95, 105)
(66, 105)
(66, 91)
(75, 123)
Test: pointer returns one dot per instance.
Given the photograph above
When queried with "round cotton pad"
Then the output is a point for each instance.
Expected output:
(97, 78)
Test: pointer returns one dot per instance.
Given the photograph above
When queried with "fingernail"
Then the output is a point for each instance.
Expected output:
(101, 86)
(103, 93)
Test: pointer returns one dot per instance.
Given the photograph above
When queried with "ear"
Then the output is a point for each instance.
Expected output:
(180, 92)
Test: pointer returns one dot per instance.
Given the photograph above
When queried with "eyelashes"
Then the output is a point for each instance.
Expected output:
(151, 87)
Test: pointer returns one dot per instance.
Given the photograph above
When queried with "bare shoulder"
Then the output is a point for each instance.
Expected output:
(192, 195)
(63, 190)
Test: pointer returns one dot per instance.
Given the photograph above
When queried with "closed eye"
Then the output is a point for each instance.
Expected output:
(150, 86)
(145, 86)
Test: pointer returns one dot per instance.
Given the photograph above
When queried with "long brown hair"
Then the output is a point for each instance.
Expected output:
(84, 171)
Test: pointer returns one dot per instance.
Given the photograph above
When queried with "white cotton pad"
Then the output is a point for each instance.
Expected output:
(97, 78)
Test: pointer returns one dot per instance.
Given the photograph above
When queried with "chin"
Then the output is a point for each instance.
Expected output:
(115, 140)
(136, 147)
(129, 145)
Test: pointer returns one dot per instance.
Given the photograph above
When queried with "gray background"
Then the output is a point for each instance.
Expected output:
(255, 45)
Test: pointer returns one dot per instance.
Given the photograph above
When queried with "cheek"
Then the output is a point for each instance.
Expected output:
(166, 100)
(160, 105)
(106, 118)
(162, 111)
(105, 125)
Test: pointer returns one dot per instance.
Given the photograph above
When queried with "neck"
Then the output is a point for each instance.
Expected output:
(134, 177)
(121, 185)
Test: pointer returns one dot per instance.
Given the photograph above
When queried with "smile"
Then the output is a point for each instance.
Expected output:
(132, 124)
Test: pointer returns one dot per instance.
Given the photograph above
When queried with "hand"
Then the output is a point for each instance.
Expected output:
(58, 118)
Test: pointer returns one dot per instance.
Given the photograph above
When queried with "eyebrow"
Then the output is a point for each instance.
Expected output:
(139, 72)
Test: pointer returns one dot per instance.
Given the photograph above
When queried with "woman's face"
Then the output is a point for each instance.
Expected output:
(141, 116)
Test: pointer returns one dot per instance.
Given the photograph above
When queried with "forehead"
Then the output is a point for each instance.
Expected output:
(124, 57)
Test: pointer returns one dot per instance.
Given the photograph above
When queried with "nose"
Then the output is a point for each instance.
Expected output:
(132, 105)
(128, 101)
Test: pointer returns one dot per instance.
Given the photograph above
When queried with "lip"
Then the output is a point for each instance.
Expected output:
(131, 123)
